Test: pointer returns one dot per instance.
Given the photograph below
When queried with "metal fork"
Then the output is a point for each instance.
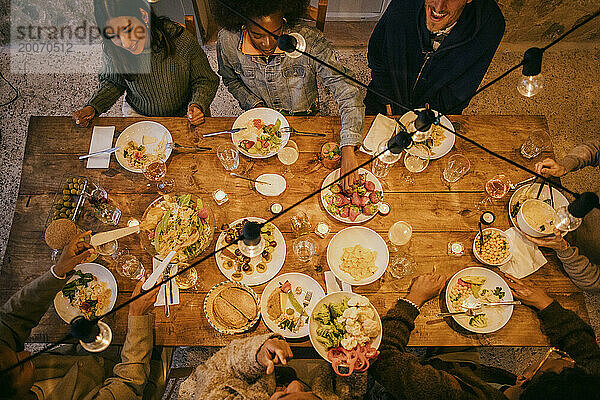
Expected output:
(305, 303)
(166, 275)
(176, 146)
(289, 129)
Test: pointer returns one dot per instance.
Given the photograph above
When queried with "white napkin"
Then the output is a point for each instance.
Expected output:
(381, 129)
(333, 284)
(102, 138)
(160, 299)
(526, 257)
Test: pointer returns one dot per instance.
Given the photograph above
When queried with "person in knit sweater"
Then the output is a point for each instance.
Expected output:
(158, 64)
(455, 376)
(580, 255)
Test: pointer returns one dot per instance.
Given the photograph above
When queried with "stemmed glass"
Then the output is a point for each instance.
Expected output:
(402, 263)
(496, 188)
(416, 159)
(155, 169)
(288, 155)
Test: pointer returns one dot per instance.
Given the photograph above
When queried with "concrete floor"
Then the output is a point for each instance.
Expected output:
(570, 101)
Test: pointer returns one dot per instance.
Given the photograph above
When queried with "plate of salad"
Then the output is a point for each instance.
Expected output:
(140, 140)
(261, 134)
(287, 302)
(346, 330)
(177, 222)
(90, 292)
(356, 206)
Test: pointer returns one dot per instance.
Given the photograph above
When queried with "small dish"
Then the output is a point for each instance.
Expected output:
(274, 185)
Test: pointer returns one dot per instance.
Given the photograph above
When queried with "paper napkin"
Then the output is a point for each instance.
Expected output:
(381, 129)
(526, 257)
(102, 138)
(160, 299)
(333, 284)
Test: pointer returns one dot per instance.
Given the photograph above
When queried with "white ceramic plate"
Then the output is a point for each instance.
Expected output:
(268, 116)
(498, 316)
(136, 132)
(334, 175)
(276, 187)
(350, 237)
(521, 193)
(446, 145)
(336, 297)
(255, 278)
(297, 280)
(63, 307)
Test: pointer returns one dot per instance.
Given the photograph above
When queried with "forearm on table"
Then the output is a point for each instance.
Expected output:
(131, 374)
(23, 311)
(581, 271)
(567, 331)
(586, 154)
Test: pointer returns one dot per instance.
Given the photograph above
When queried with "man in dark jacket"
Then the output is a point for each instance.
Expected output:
(432, 51)
(459, 376)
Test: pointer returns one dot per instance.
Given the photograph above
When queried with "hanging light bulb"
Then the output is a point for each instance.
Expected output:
(532, 81)
(293, 44)
(93, 336)
(570, 217)
(251, 244)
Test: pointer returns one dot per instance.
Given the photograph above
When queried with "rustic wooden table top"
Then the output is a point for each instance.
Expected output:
(438, 212)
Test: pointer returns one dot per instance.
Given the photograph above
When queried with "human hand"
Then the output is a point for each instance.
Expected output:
(195, 114)
(274, 352)
(144, 304)
(549, 167)
(84, 116)
(73, 254)
(555, 242)
(348, 163)
(532, 296)
(425, 287)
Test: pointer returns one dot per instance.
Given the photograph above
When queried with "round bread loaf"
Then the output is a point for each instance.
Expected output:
(60, 232)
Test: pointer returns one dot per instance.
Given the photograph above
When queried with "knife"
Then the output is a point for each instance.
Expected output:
(234, 130)
(153, 278)
(111, 150)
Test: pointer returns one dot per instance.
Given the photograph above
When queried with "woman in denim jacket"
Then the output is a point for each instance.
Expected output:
(259, 74)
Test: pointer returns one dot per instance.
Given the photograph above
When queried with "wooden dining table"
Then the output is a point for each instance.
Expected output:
(438, 212)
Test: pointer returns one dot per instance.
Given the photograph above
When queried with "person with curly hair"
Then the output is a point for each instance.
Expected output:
(259, 74)
(159, 66)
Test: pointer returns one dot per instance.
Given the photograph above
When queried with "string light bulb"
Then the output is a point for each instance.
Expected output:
(532, 80)
(570, 217)
(252, 243)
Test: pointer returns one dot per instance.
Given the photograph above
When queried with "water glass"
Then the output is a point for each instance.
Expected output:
(382, 165)
(456, 167)
(108, 249)
(300, 224)
(535, 144)
(229, 156)
(104, 209)
(416, 158)
(402, 265)
(305, 248)
(128, 266)
(187, 279)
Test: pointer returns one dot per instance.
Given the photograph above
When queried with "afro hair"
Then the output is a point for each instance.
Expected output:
(292, 11)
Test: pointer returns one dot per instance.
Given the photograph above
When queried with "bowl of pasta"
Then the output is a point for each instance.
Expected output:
(182, 223)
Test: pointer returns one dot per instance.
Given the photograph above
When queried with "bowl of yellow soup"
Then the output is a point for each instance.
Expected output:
(537, 218)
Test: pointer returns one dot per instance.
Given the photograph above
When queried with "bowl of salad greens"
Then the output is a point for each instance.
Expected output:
(261, 133)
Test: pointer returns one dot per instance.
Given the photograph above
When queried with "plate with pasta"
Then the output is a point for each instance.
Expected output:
(439, 140)
(179, 222)
(357, 255)
(140, 140)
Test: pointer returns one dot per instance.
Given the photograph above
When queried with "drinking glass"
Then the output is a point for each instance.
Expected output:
(300, 224)
(155, 169)
(108, 249)
(305, 248)
(103, 208)
(535, 144)
(384, 162)
(187, 279)
(402, 263)
(457, 166)
(288, 155)
(229, 155)
(128, 266)
(496, 188)
(416, 159)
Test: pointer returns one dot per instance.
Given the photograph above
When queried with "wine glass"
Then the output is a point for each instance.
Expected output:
(187, 279)
(496, 188)
(402, 263)
(155, 169)
(229, 155)
(288, 155)
(416, 159)
(384, 161)
(128, 266)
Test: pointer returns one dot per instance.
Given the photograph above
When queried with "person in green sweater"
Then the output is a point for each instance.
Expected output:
(454, 376)
(155, 61)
